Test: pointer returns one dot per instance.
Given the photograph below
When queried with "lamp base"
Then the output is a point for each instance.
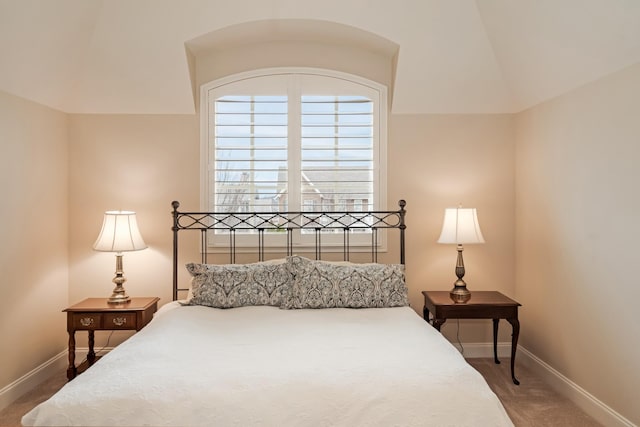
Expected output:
(119, 296)
(460, 294)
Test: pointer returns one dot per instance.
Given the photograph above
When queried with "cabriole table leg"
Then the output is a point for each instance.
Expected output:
(515, 323)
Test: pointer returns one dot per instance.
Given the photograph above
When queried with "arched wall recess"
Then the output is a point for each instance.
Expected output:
(291, 43)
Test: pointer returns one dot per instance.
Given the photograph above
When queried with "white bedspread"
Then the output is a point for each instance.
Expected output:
(200, 366)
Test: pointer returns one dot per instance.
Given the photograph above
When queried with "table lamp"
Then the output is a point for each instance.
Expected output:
(460, 227)
(119, 234)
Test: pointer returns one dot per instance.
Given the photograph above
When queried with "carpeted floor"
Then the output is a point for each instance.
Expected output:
(12, 414)
(532, 403)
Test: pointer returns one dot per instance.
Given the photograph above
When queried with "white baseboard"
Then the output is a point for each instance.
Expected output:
(32, 379)
(563, 385)
(38, 375)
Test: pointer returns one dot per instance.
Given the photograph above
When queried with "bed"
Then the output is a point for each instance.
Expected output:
(298, 351)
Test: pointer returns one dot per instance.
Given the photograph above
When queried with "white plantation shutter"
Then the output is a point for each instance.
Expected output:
(250, 153)
(288, 141)
(337, 169)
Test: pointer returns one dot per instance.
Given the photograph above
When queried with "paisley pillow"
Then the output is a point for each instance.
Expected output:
(320, 284)
(239, 285)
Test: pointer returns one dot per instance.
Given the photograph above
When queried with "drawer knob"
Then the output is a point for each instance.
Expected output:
(119, 321)
(86, 321)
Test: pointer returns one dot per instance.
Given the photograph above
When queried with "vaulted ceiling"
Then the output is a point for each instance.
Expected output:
(455, 56)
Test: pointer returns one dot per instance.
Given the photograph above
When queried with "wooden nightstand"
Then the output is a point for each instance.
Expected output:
(95, 314)
(482, 305)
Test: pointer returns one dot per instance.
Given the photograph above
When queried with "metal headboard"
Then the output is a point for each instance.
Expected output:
(286, 222)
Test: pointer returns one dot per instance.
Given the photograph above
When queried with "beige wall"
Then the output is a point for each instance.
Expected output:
(144, 162)
(439, 161)
(577, 236)
(33, 232)
(129, 162)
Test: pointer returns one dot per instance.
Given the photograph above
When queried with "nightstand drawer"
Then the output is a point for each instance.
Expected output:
(87, 321)
(120, 321)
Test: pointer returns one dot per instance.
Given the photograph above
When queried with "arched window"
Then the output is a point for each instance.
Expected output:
(293, 140)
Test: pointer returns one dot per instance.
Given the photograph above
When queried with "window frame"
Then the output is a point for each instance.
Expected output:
(216, 242)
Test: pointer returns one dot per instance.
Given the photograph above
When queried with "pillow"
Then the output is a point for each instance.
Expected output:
(321, 284)
(239, 285)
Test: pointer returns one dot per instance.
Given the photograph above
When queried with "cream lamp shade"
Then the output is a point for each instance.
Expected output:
(460, 226)
(119, 234)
